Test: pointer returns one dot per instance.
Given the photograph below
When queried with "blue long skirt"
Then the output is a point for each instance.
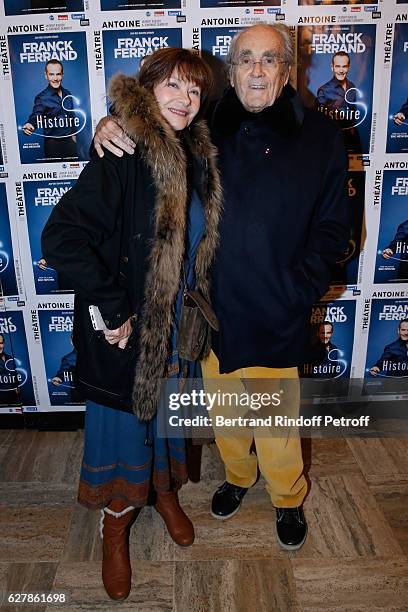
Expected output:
(123, 457)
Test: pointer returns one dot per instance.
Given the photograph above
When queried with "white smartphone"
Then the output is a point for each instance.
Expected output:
(97, 321)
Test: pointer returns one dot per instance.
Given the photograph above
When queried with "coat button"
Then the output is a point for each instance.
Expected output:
(246, 129)
(268, 151)
(125, 259)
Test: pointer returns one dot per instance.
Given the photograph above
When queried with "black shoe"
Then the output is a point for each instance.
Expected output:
(291, 527)
(227, 500)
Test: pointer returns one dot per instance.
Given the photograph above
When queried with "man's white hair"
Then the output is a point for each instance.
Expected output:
(288, 49)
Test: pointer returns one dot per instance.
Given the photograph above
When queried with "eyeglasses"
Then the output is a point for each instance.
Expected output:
(267, 62)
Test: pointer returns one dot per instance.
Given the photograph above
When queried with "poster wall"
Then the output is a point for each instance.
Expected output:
(351, 66)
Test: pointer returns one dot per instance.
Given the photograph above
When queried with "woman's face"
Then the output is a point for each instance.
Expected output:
(179, 100)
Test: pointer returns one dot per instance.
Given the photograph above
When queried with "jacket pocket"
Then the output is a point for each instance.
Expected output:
(302, 294)
(105, 370)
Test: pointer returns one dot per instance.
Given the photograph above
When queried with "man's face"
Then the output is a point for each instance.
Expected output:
(340, 67)
(54, 75)
(403, 332)
(258, 86)
(325, 333)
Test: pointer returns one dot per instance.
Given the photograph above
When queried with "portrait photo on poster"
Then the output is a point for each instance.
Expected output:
(124, 49)
(392, 248)
(336, 75)
(387, 351)
(40, 198)
(397, 133)
(8, 282)
(330, 348)
(54, 115)
(16, 385)
(59, 356)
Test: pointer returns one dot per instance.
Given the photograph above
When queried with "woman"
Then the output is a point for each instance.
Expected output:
(126, 238)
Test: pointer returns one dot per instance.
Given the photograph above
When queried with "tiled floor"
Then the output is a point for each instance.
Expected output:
(355, 558)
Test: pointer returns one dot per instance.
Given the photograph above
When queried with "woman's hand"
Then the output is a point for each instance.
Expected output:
(119, 336)
(108, 134)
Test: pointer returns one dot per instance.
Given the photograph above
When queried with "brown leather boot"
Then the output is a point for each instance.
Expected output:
(116, 570)
(177, 522)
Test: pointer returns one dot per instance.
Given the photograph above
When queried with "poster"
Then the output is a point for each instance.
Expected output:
(40, 198)
(123, 49)
(387, 350)
(334, 2)
(346, 270)
(31, 7)
(392, 250)
(16, 386)
(59, 356)
(53, 116)
(397, 135)
(331, 347)
(123, 5)
(336, 74)
(8, 283)
(236, 3)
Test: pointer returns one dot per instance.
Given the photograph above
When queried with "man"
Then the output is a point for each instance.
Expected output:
(394, 360)
(324, 345)
(284, 225)
(399, 246)
(339, 92)
(10, 391)
(52, 115)
(401, 116)
(66, 376)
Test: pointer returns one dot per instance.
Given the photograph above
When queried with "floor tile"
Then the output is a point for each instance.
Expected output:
(235, 586)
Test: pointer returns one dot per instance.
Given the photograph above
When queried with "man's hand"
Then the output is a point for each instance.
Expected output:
(28, 129)
(119, 336)
(110, 135)
(56, 381)
(387, 253)
(42, 264)
(374, 371)
(399, 118)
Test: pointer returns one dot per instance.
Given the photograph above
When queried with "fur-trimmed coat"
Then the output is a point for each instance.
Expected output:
(118, 238)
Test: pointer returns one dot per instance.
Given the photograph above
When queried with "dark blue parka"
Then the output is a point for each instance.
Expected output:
(285, 223)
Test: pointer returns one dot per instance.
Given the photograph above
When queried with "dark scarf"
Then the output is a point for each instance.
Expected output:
(285, 116)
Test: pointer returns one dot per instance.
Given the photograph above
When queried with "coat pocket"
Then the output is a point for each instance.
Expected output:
(105, 372)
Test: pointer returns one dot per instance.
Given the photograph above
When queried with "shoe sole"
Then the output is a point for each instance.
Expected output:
(228, 516)
(295, 546)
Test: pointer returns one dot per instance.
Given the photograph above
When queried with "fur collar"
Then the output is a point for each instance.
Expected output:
(163, 152)
(285, 116)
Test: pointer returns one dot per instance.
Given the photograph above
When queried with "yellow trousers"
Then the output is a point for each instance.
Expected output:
(278, 451)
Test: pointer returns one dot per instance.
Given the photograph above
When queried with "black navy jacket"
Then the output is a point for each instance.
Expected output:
(332, 94)
(49, 103)
(395, 352)
(404, 108)
(285, 223)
